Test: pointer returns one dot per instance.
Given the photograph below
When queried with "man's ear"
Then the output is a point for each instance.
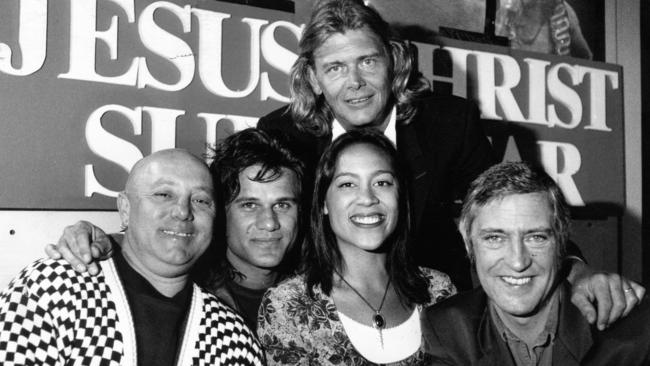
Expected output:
(313, 82)
(123, 208)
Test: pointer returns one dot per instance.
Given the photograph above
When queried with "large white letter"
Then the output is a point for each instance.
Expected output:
(32, 39)
(564, 96)
(597, 95)
(537, 90)
(109, 146)
(163, 127)
(210, 50)
(166, 45)
(550, 153)
(83, 33)
(278, 57)
(489, 92)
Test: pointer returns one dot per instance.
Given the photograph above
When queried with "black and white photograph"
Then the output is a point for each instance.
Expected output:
(324, 182)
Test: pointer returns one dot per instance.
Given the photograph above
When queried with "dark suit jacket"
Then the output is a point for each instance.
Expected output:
(460, 331)
(444, 148)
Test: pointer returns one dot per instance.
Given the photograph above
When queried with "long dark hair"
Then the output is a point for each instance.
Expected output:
(321, 253)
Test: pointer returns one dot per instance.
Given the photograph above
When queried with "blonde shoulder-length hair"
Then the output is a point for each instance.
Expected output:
(309, 110)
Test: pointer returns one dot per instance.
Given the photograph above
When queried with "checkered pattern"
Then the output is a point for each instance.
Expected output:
(51, 315)
(223, 338)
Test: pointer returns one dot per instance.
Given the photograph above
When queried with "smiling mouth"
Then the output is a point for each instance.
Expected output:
(358, 100)
(178, 234)
(266, 240)
(516, 281)
(367, 219)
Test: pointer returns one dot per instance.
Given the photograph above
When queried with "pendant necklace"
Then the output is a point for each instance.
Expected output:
(378, 320)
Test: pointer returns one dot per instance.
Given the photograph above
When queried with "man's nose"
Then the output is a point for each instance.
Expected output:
(356, 78)
(519, 257)
(182, 210)
(267, 219)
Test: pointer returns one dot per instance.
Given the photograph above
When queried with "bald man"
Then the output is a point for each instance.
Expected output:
(142, 309)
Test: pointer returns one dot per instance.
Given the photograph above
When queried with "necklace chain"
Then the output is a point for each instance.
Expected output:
(378, 310)
(378, 320)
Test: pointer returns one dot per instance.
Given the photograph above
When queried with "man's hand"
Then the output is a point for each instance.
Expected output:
(81, 244)
(614, 295)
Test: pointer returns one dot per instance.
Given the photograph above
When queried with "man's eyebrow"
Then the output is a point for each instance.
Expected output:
(245, 199)
(491, 230)
(331, 63)
(374, 54)
(287, 198)
(255, 199)
(362, 57)
(544, 229)
(161, 183)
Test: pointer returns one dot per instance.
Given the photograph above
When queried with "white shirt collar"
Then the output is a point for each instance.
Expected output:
(390, 132)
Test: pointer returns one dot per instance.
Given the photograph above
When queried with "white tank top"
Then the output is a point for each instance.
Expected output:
(400, 342)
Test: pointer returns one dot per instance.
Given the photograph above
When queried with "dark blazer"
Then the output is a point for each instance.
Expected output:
(460, 331)
(444, 148)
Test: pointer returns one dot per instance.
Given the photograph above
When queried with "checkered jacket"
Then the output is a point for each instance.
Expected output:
(51, 315)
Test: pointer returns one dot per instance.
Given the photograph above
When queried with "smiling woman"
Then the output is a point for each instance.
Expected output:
(358, 297)
(363, 198)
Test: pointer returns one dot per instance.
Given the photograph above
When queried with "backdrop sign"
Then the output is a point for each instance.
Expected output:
(90, 86)
(565, 113)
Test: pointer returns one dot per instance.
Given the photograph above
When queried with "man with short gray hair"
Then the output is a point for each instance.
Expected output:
(515, 225)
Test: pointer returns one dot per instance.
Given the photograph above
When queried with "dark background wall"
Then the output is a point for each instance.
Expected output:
(592, 22)
(645, 130)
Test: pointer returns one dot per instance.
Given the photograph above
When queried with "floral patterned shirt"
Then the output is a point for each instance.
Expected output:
(295, 329)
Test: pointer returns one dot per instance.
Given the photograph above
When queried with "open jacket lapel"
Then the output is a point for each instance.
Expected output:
(574, 338)
(418, 164)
